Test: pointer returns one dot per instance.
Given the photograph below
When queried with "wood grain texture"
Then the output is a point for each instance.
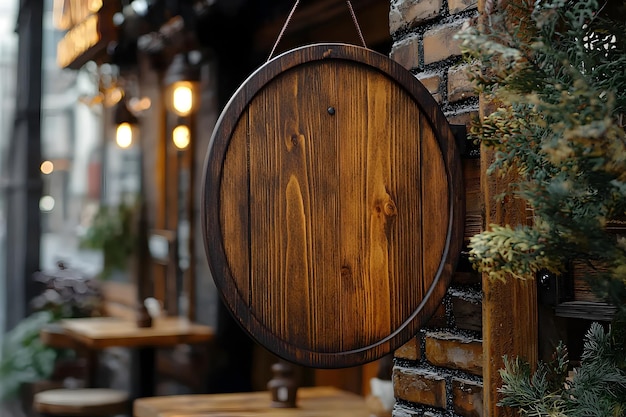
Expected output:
(509, 308)
(510, 315)
(317, 401)
(333, 205)
(105, 332)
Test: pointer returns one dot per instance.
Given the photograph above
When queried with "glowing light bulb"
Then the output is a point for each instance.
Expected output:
(124, 135)
(181, 136)
(182, 99)
(46, 167)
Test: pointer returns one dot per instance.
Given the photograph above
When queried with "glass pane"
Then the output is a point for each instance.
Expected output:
(71, 134)
(8, 57)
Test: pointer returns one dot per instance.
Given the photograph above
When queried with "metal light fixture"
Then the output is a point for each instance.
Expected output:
(181, 79)
(126, 123)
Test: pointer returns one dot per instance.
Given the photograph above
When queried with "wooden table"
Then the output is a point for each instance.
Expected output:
(96, 333)
(104, 332)
(312, 402)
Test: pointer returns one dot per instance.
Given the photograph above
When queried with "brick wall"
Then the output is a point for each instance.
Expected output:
(439, 372)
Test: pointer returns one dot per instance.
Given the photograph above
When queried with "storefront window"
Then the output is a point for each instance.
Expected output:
(72, 140)
(8, 57)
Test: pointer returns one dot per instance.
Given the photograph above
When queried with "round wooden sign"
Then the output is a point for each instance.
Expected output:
(333, 208)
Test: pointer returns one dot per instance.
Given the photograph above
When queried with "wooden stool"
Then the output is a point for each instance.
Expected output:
(86, 402)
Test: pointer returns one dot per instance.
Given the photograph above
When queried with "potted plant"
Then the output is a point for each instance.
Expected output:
(25, 358)
(555, 71)
(112, 232)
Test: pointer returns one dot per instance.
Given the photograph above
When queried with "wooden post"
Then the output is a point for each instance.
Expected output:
(509, 308)
(510, 323)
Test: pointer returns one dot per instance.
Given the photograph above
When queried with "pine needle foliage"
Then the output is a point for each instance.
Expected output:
(596, 389)
(557, 69)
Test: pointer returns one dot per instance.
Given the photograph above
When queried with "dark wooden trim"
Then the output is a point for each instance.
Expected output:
(587, 310)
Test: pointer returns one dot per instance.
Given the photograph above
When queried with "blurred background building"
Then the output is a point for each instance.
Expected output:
(108, 62)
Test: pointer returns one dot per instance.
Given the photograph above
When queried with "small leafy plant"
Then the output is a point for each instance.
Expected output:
(112, 232)
(25, 358)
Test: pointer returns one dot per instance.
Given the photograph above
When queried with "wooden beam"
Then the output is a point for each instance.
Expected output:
(510, 316)
(509, 308)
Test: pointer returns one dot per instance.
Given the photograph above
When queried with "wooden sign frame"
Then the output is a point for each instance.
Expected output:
(333, 208)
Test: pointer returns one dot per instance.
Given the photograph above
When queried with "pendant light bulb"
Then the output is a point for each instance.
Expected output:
(124, 135)
(182, 98)
(181, 137)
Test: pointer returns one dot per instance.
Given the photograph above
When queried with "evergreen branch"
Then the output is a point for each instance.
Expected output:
(556, 69)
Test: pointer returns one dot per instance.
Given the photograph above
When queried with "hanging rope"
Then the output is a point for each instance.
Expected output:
(282, 31)
(290, 16)
(356, 23)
